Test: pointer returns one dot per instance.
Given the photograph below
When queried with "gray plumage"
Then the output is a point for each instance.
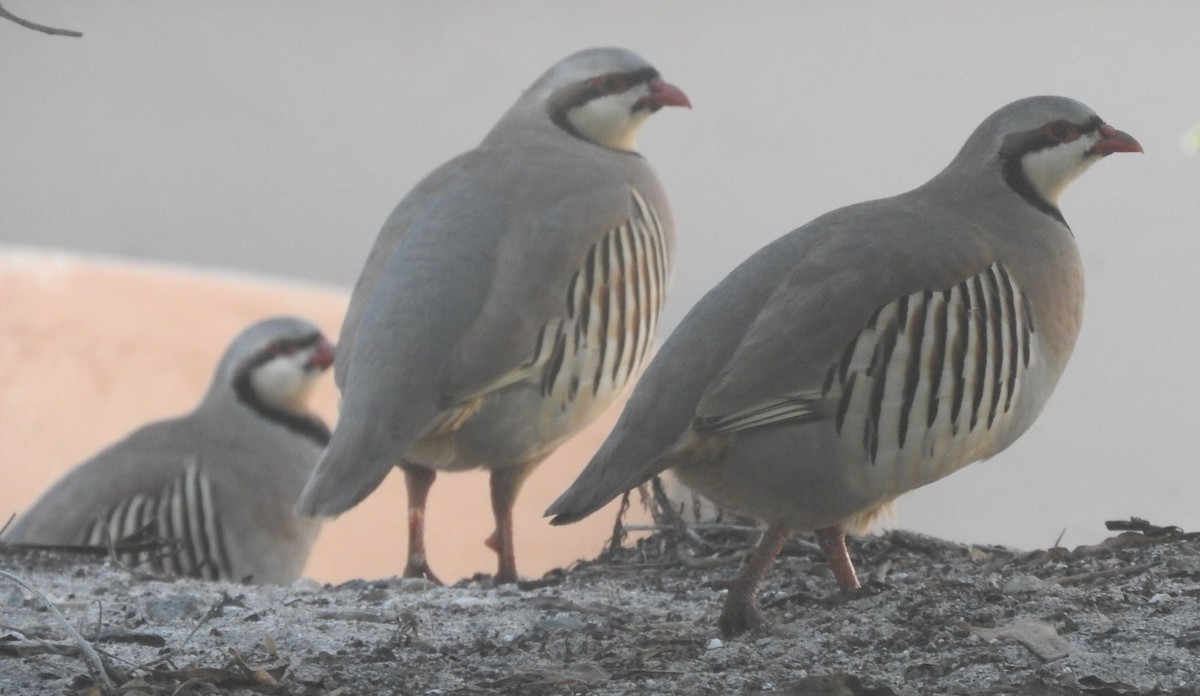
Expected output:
(509, 297)
(217, 484)
(873, 350)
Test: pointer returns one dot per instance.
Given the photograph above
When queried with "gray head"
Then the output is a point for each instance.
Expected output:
(274, 363)
(601, 95)
(1039, 145)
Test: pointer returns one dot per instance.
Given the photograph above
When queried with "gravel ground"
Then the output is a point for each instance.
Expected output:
(1115, 619)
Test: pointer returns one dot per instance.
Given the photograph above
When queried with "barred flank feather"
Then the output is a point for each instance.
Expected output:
(613, 303)
(182, 516)
(929, 374)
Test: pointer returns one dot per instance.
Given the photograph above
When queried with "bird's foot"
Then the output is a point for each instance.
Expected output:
(842, 597)
(421, 569)
(740, 614)
(506, 573)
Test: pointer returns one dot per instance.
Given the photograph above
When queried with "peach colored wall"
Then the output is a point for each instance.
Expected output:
(92, 348)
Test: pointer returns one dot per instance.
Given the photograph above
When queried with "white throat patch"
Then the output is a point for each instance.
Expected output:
(610, 121)
(283, 382)
(1051, 169)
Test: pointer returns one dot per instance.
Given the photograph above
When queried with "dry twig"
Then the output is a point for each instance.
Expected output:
(618, 533)
(1102, 574)
(35, 26)
(95, 666)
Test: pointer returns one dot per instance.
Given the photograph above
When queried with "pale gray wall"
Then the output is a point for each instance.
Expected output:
(274, 137)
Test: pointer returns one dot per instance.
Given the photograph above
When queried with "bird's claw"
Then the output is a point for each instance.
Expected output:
(421, 570)
(739, 615)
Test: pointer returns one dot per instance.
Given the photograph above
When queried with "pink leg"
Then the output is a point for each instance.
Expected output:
(741, 612)
(418, 480)
(833, 543)
(505, 485)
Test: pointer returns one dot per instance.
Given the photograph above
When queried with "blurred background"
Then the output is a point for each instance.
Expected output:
(255, 149)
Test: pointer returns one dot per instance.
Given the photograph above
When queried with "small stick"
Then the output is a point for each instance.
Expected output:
(703, 526)
(1102, 574)
(619, 529)
(728, 527)
(665, 512)
(35, 26)
(94, 664)
(709, 562)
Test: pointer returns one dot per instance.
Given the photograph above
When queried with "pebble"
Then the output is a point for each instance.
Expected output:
(414, 585)
(559, 623)
(175, 607)
(1018, 584)
(306, 586)
(468, 602)
(714, 644)
(1187, 564)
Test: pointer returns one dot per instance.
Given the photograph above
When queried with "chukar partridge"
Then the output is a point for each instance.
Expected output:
(873, 350)
(509, 298)
(217, 485)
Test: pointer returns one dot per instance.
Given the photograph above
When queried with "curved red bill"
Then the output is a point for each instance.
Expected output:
(1113, 140)
(663, 93)
(323, 357)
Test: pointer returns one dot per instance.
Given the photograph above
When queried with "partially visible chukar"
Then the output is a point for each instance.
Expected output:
(510, 297)
(876, 349)
(217, 484)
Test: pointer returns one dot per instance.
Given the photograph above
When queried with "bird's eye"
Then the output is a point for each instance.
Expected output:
(283, 348)
(609, 84)
(1061, 131)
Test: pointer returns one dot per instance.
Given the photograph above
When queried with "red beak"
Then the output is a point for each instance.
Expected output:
(1113, 140)
(662, 94)
(323, 357)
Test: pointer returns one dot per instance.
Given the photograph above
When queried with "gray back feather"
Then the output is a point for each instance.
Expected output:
(254, 469)
(775, 324)
(470, 267)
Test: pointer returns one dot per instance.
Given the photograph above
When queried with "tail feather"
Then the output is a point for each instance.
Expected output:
(615, 470)
(340, 482)
(577, 503)
(602, 480)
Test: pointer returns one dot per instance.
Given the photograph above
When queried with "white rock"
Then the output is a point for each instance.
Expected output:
(1023, 583)
(468, 602)
(306, 586)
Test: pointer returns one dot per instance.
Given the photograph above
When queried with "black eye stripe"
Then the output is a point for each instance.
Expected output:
(307, 341)
(273, 349)
(577, 95)
(588, 92)
(637, 77)
(1041, 138)
(1018, 145)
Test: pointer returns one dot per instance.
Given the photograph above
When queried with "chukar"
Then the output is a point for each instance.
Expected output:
(217, 485)
(509, 298)
(873, 350)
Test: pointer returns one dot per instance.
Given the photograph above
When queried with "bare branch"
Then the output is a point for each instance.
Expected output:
(89, 654)
(37, 27)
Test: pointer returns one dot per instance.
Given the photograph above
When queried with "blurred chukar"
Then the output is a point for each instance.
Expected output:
(218, 484)
(878, 348)
(509, 298)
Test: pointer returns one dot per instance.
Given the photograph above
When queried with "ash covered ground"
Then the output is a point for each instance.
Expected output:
(1116, 619)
